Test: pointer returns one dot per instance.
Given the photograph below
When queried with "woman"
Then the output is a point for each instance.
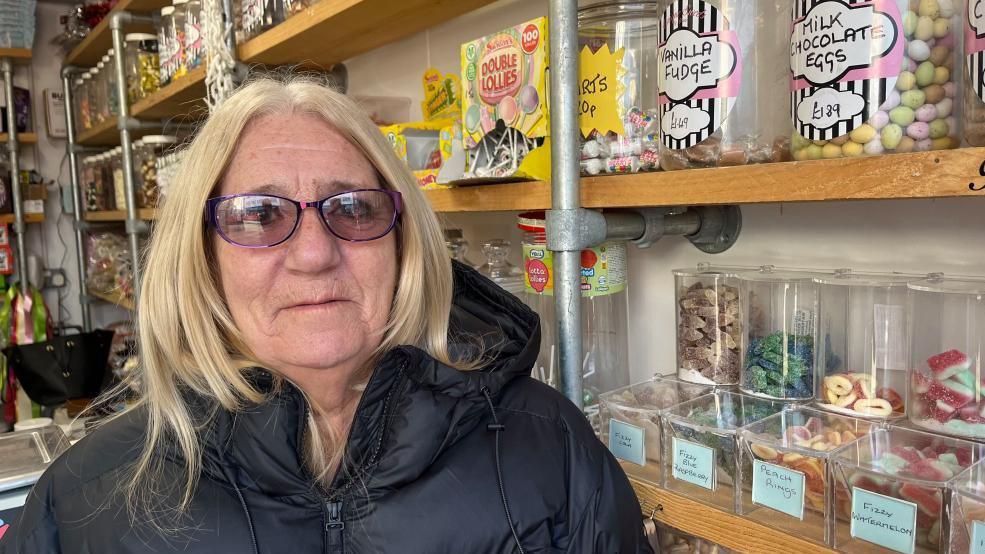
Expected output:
(394, 412)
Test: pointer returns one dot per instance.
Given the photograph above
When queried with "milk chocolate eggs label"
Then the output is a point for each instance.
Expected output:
(845, 58)
(974, 44)
(699, 70)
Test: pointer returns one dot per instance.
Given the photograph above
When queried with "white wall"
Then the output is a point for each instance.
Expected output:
(904, 235)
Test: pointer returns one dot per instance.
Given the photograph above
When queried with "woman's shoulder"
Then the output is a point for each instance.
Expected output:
(535, 400)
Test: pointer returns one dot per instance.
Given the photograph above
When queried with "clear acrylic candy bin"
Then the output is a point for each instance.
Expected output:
(948, 319)
(861, 352)
(709, 324)
(968, 510)
(891, 490)
(778, 316)
(789, 489)
(630, 419)
(701, 452)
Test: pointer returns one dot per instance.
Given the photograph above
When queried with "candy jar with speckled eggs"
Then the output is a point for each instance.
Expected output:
(874, 78)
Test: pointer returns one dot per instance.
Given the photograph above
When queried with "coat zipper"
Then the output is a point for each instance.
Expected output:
(333, 527)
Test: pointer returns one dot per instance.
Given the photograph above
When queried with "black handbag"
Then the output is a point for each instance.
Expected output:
(62, 368)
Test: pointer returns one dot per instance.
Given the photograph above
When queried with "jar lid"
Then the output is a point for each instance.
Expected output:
(105, 59)
(35, 423)
(87, 75)
(535, 222)
(849, 278)
(167, 10)
(138, 143)
(947, 285)
(770, 274)
(160, 139)
(100, 66)
(110, 52)
(179, 2)
(78, 81)
(137, 37)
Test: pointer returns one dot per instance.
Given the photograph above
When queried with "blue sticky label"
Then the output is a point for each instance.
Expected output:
(694, 463)
(778, 488)
(626, 442)
(888, 522)
(977, 537)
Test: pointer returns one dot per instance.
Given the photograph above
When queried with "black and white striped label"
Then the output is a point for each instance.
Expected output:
(974, 46)
(699, 71)
(845, 57)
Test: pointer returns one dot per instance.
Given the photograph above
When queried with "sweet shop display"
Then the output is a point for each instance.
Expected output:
(631, 427)
(504, 103)
(701, 451)
(723, 74)
(946, 347)
(147, 151)
(709, 326)
(109, 269)
(142, 66)
(778, 317)
(673, 541)
(890, 490)
(968, 510)
(892, 90)
(618, 95)
(789, 455)
(498, 268)
(973, 75)
(862, 352)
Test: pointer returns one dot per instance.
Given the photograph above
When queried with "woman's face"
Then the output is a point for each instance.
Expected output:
(315, 301)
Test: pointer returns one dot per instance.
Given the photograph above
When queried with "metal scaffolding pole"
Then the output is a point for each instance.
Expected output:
(565, 189)
(20, 254)
(78, 221)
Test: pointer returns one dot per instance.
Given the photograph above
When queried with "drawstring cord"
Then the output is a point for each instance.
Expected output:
(242, 502)
(497, 427)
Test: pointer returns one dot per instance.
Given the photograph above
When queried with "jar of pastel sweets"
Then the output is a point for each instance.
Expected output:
(779, 309)
(892, 89)
(618, 124)
(947, 345)
(862, 352)
(709, 326)
(723, 73)
(973, 76)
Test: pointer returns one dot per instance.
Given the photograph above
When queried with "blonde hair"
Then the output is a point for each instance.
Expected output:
(188, 340)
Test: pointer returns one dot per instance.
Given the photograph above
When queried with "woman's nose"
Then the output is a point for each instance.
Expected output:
(313, 248)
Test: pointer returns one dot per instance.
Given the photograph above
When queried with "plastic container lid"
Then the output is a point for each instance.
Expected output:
(167, 10)
(87, 75)
(100, 66)
(179, 2)
(105, 59)
(36, 423)
(768, 274)
(137, 37)
(78, 81)
(160, 139)
(25, 454)
(851, 279)
(949, 286)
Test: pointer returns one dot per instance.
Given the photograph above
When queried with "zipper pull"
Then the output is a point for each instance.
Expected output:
(334, 526)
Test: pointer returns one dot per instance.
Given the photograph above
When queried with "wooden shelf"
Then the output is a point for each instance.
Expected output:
(332, 31)
(718, 526)
(23, 138)
(100, 39)
(115, 298)
(916, 175)
(16, 55)
(104, 134)
(146, 214)
(183, 98)
(6, 219)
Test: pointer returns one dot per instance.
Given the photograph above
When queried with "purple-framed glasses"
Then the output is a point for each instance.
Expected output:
(265, 220)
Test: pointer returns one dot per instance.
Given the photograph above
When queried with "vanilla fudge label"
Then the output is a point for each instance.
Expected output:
(883, 520)
(845, 57)
(693, 463)
(974, 45)
(699, 71)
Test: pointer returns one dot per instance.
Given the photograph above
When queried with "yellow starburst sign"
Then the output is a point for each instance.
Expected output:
(600, 88)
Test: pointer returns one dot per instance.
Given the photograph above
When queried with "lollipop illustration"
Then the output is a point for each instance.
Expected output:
(507, 110)
(472, 118)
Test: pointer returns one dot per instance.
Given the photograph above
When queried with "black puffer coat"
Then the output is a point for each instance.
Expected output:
(423, 449)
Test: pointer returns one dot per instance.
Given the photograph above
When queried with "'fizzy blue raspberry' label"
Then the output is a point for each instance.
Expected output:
(845, 57)
(699, 71)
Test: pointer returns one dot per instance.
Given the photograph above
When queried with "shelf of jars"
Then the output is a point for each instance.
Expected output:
(330, 32)
(114, 298)
(933, 174)
(716, 525)
(23, 138)
(146, 214)
(100, 38)
(18, 55)
(6, 219)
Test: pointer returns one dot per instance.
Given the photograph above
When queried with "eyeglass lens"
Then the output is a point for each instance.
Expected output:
(260, 220)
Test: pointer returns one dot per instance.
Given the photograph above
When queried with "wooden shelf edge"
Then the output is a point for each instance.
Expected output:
(6, 219)
(716, 525)
(937, 174)
(180, 86)
(22, 138)
(99, 40)
(116, 298)
(99, 135)
(16, 55)
(146, 214)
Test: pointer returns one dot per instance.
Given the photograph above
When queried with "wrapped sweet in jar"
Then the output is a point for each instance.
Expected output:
(166, 37)
(146, 153)
(112, 99)
(862, 352)
(618, 95)
(723, 75)
(946, 385)
(778, 316)
(709, 326)
(142, 65)
(179, 57)
(863, 93)
(85, 101)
